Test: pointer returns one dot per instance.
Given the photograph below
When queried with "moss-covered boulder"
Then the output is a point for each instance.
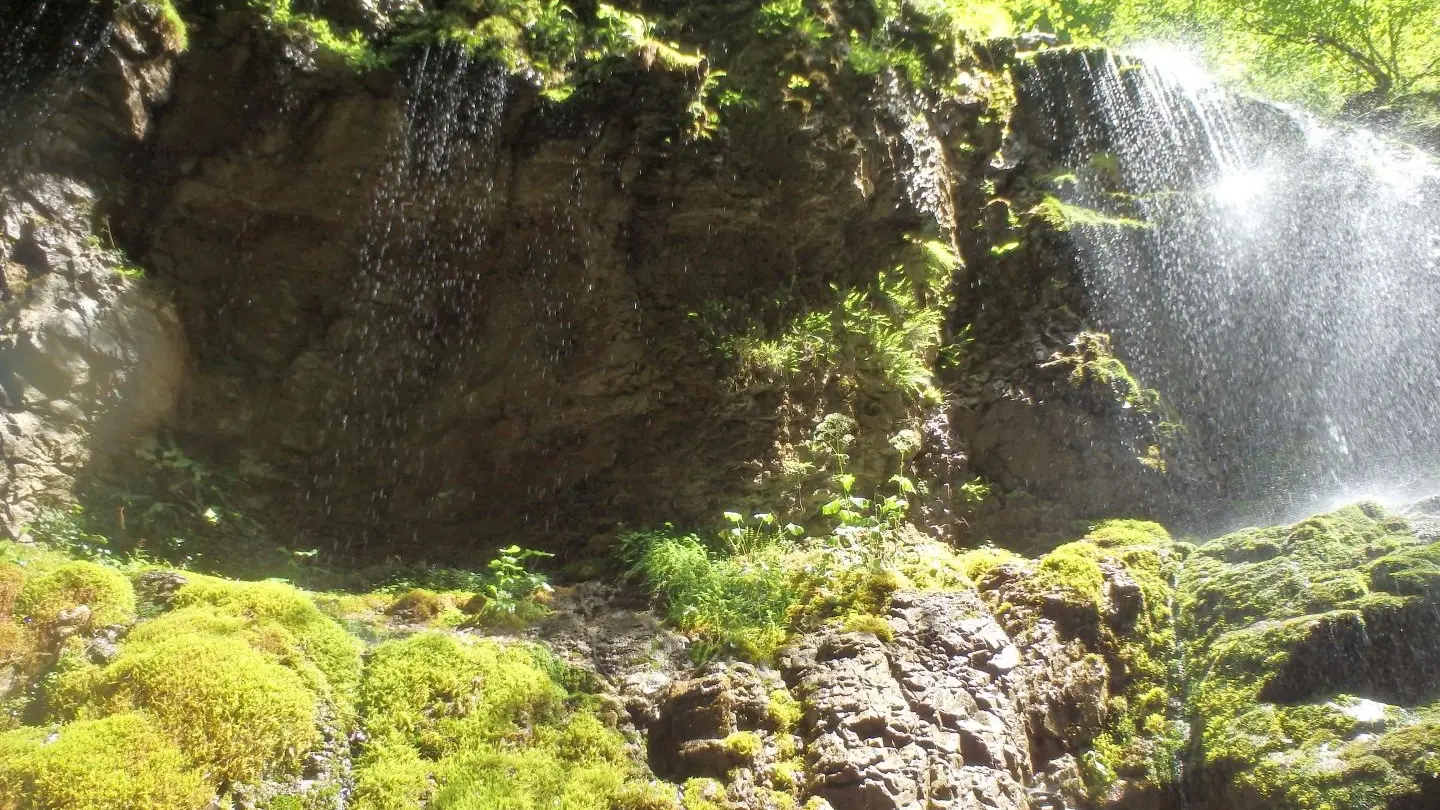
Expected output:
(79, 594)
(121, 762)
(464, 724)
(1312, 650)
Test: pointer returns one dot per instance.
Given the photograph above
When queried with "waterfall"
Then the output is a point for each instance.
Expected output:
(416, 287)
(45, 38)
(1274, 277)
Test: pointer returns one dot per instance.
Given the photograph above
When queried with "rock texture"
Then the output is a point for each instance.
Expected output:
(91, 359)
(423, 297)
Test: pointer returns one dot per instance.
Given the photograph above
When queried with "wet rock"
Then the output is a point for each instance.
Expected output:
(610, 633)
(157, 588)
(715, 723)
(925, 720)
(89, 357)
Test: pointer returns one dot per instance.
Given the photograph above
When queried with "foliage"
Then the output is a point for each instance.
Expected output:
(510, 589)
(1091, 358)
(739, 603)
(1323, 52)
(182, 510)
(885, 338)
(119, 762)
(1064, 216)
(66, 531)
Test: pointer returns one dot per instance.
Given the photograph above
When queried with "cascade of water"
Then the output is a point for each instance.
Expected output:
(1282, 291)
(43, 38)
(415, 291)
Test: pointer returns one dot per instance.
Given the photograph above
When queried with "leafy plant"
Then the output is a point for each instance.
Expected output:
(510, 588)
(67, 531)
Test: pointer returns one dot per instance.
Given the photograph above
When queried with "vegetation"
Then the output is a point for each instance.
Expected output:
(104, 592)
(1361, 54)
(1253, 601)
(121, 762)
(484, 725)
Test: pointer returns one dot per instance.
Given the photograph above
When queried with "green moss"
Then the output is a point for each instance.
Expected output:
(1063, 216)
(1122, 533)
(877, 626)
(271, 607)
(977, 563)
(491, 726)
(391, 775)
(1091, 359)
(645, 796)
(1408, 572)
(106, 592)
(1073, 570)
(1251, 599)
(417, 689)
(120, 762)
(232, 709)
(703, 794)
(743, 745)
(1282, 572)
(418, 605)
(785, 711)
(171, 25)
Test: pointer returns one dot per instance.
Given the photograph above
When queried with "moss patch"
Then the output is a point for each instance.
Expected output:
(106, 592)
(484, 725)
(116, 763)
(1279, 623)
(285, 621)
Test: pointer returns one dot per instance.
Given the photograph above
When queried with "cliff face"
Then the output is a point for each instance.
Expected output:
(424, 309)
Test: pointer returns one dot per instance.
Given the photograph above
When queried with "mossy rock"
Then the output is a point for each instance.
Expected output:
(121, 762)
(1282, 572)
(471, 725)
(105, 591)
(426, 689)
(418, 605)
(312, 635)
(235, 711)
(1281, 624)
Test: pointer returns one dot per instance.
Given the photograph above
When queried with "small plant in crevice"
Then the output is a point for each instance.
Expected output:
(510, 591)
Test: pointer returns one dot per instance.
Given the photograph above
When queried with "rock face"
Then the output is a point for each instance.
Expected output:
(951, 712)
(929, 719)
(90, 358)
(423, 298)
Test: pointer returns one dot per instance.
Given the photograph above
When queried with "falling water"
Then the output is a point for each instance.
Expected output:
(416, 288)
(1282, 290)
(44, 38)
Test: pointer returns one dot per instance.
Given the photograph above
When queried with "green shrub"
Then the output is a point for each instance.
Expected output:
(105, 591)
(122, 762)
